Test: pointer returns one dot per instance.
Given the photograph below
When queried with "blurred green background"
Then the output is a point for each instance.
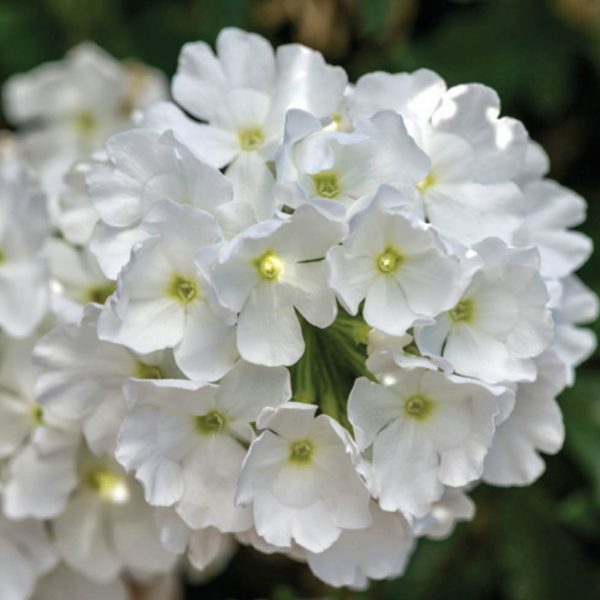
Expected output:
(543, 57)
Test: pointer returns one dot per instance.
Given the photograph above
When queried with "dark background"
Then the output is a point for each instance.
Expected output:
(543, 57)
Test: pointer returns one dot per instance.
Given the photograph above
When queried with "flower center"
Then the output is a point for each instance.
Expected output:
(85, 123)
(418, 407)
(99, 293)
(2, 256)
(144, 371)
(183, 290)
(108, 485)
(301, 452)
(37, 414)
(326, 184)
(388, 261)
(269, 266)
(211, 422)
(426, 183)
(251, 139)
(462, 312)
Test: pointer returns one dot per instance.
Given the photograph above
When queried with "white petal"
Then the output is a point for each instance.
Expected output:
(268, 331)
(207, 350)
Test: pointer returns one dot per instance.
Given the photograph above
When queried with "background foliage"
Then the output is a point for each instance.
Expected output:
(543, 57)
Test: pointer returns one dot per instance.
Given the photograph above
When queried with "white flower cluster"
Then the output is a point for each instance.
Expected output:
(286, 311)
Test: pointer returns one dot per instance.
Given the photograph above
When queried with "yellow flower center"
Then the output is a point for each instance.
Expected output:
(183, 290)
(251, 139)
(144, 371)
(388, 261)
(37, 414)
(85, 123)
(212, 422)
(426, 183)
(326, 184)
(301, 452)
(269, 266)
(108, 485)
(463, 312)
(99, 293)
(418, 407)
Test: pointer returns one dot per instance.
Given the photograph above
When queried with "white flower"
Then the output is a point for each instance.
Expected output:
(76, 280)
(468, 193)
(37, 484)
(339, 168)
(165, 298)
(24, 289)
(186, 441)
(535, 425)
(501, 322)
(549, 209)
(379, 551)
(300, 478)
(143, 168)
(387, 353)
(26, 554)
(397, 266)
(535, 166)
(427, 430)
(395, 243)
(576, 305)
(206, 549)
(84, 376)
(74, 214)
(269, 271)
(454, 506)
(243, 94)
(107, 527)
(65, 584)
(39, 446)
(73, 105)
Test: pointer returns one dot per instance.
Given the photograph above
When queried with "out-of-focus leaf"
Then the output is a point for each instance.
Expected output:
(19, 49)
(538, 558)
(374, 15)
(580, 514)
(518, 47)
(581, 408)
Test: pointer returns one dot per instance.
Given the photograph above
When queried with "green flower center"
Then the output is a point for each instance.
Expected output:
(108, 485)
(388, 261)
(85, 123)
(418, 407)
(183, 290)
(144, 371)
(269, 266)
(326, 184)
(462, 312)
(301, 452)
(37, 414)
(99, 293)
(2, 256)
(251, 139)
(211, 422)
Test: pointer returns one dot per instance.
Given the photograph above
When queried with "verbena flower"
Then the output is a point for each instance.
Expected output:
(285, 311)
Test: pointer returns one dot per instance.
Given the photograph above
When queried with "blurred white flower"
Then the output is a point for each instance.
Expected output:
(68, 108)
(24, 290)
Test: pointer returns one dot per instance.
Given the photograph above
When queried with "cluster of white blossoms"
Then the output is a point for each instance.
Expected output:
(283, 311)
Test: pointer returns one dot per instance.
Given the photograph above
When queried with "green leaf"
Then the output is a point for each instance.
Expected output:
(374, 15)
(581, 409)
(518, 47)
(538, 558)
